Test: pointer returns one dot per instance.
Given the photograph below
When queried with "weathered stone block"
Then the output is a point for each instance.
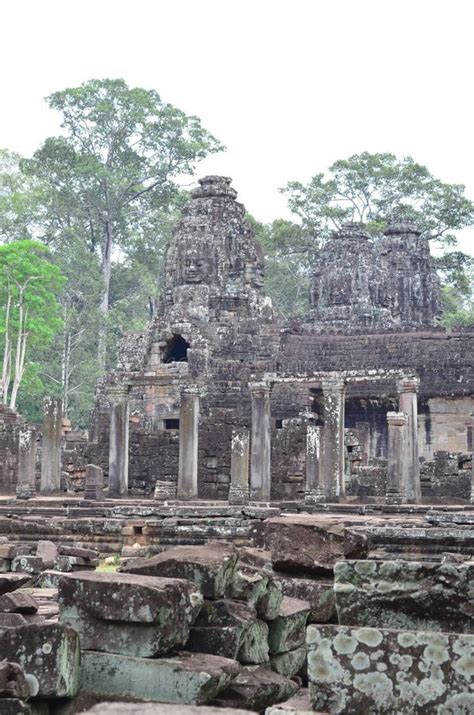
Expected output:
(288, 630)
(11, 620)
(14, 706)
(191, 678)
(256, 688)
(406, 594)
(289, 663)
(311, 543)
(13, 682)
(364, 670)
(47, 551)
(210, 566)
(299, 704)
(318, 592)
(160, 709)
(27, 564)
(49, 655)
(12, 581)
(230, 629)
(129, 614)
(17, 602)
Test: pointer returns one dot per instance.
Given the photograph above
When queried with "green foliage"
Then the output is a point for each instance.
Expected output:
(29, 287)
(114, 170)
(370, 188)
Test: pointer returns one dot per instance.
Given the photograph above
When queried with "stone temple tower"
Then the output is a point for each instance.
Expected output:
(381, 283)
(348, 288)
(213, 267)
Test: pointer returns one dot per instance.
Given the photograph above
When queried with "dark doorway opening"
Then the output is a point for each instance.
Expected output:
(176, 350)
(171, 424)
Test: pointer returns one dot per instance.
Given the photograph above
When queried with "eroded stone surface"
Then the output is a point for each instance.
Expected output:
(318, 592)
(130, 614)
(311, 544)
(406, 594)
(362, 670)
(49, 655)
(210, 567)
(160, 709)
(256, 688)
(230, 629)
(191, 678)
(289, 663)
(287, 631)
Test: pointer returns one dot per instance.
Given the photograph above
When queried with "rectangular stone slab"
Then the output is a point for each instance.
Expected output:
(48, 653)
(190, 678)
(306, 543)
(129, 614)
(389, 672)
(406, 594)
(288, 630)
(209, 567)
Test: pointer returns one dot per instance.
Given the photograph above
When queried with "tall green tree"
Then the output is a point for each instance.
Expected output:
(121, 152)
(367, 188)
(370, 188)
(29, 289)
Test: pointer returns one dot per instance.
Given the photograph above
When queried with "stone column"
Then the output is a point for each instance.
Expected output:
(472, 464)
(51, 446)
(26, 486)
(239, 466)
(396, 457)
(333, 438)
(118, 440)
(94, 482)
(407, 391)
(260, 459)
(314, 489)
(188, 443)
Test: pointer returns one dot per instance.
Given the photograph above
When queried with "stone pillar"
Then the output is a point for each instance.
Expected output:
(26, 486)
(94, 482)
(472, 464)
(239, 466)
(260, 459)
(407, 391)
(333, 438)
(314, 490)
(118, 440)
(396, 457)
(51, 446)
(188, 444)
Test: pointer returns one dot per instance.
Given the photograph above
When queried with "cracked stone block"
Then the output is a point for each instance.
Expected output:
(406, 594)
(47, 552)
(17, 602)
(289, 663)
(231, 629)
(256, 688)
(13, 682)
(389, 672)
(318, 592)
(310, 543)
(12, 581)
(135, 615)
(287, 631)
(190, 678)
(27, 564)
(209, 567)
(48, 653)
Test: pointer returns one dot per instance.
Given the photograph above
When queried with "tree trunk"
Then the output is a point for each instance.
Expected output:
(7, 355)
(104, 304)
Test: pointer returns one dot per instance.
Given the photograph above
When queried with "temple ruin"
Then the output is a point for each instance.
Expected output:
(280, 512)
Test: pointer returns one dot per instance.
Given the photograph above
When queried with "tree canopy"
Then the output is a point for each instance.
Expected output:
(29, 289)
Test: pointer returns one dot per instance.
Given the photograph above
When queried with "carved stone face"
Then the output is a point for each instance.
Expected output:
(194, 264)
(254, 273)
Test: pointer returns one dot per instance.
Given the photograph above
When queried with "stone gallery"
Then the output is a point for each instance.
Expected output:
(264, 516)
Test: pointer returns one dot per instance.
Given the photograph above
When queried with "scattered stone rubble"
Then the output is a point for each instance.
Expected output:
(316, 618)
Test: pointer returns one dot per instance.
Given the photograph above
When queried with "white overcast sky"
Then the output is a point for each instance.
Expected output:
(288, 86)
